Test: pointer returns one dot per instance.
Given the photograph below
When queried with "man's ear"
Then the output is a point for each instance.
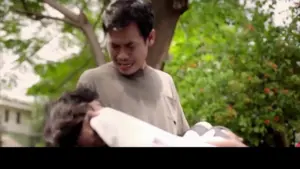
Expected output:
(151, 37)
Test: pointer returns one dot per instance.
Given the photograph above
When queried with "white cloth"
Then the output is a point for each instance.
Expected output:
(118, 129)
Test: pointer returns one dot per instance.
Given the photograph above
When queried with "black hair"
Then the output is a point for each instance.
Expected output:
(121, 13)
(66, 116)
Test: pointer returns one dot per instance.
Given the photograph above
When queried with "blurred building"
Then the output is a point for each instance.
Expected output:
(16, 124)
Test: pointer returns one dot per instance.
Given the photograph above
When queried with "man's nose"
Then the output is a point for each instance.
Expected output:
(123, 55)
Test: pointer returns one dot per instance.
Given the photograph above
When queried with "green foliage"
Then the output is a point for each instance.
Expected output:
(55, 77)
(58, 77)
(10, 27)
(238, 71)
(62, 76)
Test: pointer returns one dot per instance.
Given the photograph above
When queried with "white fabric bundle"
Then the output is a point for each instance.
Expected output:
(118, 129)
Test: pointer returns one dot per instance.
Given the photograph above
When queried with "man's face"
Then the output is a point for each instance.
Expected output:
(128, 49)
(88, 137)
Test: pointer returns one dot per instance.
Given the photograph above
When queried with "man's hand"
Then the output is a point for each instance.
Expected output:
(94, 109)
(232, 135)
(88, 137)
(221, 142)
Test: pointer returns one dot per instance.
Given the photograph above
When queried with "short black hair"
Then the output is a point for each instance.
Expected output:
(121, 13)
(66, 116)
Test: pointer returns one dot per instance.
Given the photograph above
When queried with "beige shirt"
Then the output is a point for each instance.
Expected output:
(150, 95)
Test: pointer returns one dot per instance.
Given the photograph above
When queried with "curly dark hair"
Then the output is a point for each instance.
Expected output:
(120, 13)
(66, 116)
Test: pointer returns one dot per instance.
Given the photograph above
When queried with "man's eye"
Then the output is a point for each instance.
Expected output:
(115, 46)
(130, 46)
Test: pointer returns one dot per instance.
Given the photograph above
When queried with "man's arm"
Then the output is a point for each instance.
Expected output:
(182, 124)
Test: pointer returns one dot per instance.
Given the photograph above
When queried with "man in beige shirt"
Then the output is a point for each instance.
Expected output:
(127, 83)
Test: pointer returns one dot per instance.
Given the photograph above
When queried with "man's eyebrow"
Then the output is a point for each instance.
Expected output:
(114, 44)
(130, 43)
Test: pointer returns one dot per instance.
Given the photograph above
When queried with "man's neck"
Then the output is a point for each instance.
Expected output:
(139, 73)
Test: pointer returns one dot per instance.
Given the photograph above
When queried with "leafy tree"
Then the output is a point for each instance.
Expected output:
(234, 67)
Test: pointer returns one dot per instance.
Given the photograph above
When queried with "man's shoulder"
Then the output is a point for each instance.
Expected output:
(96, 76)
(99, 71)
(168, 84)
(162, 74)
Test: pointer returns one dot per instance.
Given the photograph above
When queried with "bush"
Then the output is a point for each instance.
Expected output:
(234, 67)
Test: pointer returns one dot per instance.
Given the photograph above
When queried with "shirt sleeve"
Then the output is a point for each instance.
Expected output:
(182, 123)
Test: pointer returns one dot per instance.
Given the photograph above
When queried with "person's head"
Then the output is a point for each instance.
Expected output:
(128, 25)
(67, 124)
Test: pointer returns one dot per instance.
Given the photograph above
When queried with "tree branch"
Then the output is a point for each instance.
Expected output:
(83, 23)
(37, 16)
(99, 16)
(71, 75)
(66, 12)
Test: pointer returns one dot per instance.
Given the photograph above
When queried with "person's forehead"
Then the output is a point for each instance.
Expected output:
(123, 41)
(125, 35)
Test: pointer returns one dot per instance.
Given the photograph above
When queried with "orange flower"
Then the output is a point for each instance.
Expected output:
(266, 76)
(201, 89)
(249, 78)
(276, 118)
(267, 90)
(250, 27)
(193, 65)
(274, 66)
(285, 91)
(267, 122)
(230, 107)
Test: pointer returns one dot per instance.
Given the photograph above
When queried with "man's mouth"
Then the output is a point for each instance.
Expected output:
(125, 66)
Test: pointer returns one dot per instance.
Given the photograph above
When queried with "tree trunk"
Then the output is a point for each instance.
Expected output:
(167, 13)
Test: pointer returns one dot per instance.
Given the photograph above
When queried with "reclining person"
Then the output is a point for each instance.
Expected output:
(77, 119)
